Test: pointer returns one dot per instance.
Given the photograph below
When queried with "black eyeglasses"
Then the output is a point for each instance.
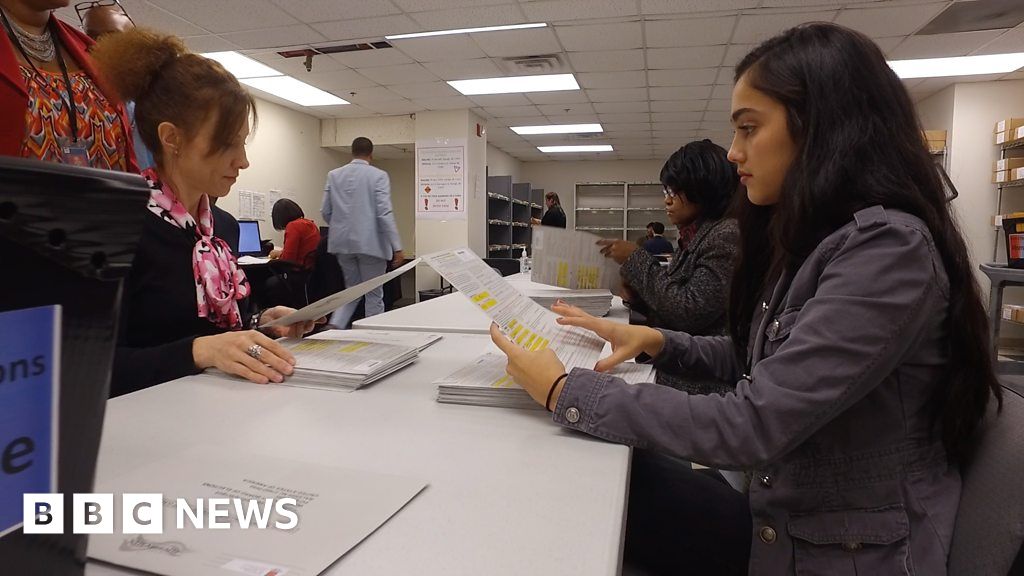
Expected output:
(82, 7)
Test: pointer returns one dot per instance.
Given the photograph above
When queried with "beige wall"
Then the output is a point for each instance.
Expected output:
(501, 164)
(285, 154)
(561, 177)
(402, 173)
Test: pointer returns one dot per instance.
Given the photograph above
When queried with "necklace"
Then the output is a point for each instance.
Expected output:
(39, 46)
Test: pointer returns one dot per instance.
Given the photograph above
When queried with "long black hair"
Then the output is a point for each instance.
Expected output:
(859, 144)
(702, 172)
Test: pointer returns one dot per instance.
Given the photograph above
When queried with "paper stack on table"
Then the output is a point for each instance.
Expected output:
(483, 382)
(344, 364)
(418, 340)
(593, 302)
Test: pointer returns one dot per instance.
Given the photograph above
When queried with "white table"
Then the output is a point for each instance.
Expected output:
(455, 313)
(509, 491)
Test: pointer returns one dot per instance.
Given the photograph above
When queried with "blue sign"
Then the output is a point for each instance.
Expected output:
(29, 411)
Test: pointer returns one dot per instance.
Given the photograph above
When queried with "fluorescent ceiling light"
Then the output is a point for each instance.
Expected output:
(511, 84)
(293, 90)
(242, 66)
(587, 148)
(959, 66)
(558, 129)
(465, 31)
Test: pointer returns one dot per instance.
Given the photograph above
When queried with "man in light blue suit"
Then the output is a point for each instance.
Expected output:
(363, 235)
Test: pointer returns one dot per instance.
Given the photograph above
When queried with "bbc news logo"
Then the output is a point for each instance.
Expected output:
(144, 513)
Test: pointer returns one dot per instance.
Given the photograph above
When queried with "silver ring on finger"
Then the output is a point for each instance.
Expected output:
(255, 351)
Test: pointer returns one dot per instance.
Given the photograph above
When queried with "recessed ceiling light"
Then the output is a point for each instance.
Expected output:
(465, 31)
(293, 90)
(959, 66)
(514, 84)
(241, 66)
(586, 148)
(558, 129)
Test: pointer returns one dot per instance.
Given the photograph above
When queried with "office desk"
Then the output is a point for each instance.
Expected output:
(509, 493)
(455, 313)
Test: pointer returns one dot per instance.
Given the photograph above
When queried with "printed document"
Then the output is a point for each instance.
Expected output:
(571, 259)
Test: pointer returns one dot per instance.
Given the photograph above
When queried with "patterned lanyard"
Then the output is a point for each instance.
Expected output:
(70, 101)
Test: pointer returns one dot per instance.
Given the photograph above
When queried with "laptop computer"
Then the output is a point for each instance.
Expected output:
(249, 238)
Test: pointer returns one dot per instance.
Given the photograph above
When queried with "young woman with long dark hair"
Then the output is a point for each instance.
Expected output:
(857, 337)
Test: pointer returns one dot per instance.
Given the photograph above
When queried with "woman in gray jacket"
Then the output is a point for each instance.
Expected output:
(857, 336)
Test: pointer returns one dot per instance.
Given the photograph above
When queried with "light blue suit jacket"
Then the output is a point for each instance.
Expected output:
(357, 207)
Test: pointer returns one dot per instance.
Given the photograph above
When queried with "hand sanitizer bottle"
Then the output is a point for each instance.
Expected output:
(523, 266)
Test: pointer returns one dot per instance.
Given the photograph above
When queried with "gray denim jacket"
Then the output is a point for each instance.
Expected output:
(834, 420)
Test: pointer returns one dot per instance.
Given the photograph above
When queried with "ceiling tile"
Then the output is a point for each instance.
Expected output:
(401, 74)
(689, 32)
(676, 116)
(889, 44)
(651, 7)
(617, 94)
(626, 117)
(720, 105)
(722, 91)
(684, 57)
(758, 27)
(366, 97)
(678, 106)
(424, 90)
(324, 10)
(296, 66)
(890, 20)
(676, 126)
(1011, 41)
(944, 45)
(366, 28)
(445, 103)
(680, 93)
(715, 124)
(619, 107)
(372, 58)
(558, 97)
(424, 5)
(691, 77)
(555, 10)
(393, 107)
(512, 111)
(439, 48)
(735, 52)
(560, 109)
(345, 111)
(463, 69)
(615, 36)
(470, 17)
(507, 43)
(294, 35)
(625, 79)
(227, 15)
(338, 80)
(498, 100)
(209, 43)
(571, 118)
(607, 60)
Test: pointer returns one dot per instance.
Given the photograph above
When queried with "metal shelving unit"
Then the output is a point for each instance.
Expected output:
(617, 208)
(1003, 148)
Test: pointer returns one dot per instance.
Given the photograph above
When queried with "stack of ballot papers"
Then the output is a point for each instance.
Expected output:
(483, 382)
(593, 302)
(344, 364)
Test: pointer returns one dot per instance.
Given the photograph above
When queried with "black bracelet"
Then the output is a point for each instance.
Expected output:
(552, 391)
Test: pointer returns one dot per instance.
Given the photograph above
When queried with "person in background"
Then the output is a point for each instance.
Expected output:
(42, 62)
(656, 242)
(554, 216)
(857, 338)
(103, 17)
(301, 235)
(363, 234)
(690, 295)
(185, 304)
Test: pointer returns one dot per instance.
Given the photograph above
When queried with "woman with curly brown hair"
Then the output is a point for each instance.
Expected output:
(185, 304)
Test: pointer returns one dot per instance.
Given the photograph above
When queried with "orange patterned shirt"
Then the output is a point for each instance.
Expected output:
(48, 122)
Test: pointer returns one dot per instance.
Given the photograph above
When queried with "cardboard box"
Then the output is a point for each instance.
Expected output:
(1016, 174)
(1000, 176)
(1009, 124)
(1007, 164)
(1000, 138)
(935, 135)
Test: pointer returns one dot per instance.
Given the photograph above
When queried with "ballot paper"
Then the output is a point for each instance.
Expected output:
(327, 305)
(336, 508)
(521, 319)
(418, 340)
(593, 302)
(571, 259)
(347, 363)
(484, 382)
